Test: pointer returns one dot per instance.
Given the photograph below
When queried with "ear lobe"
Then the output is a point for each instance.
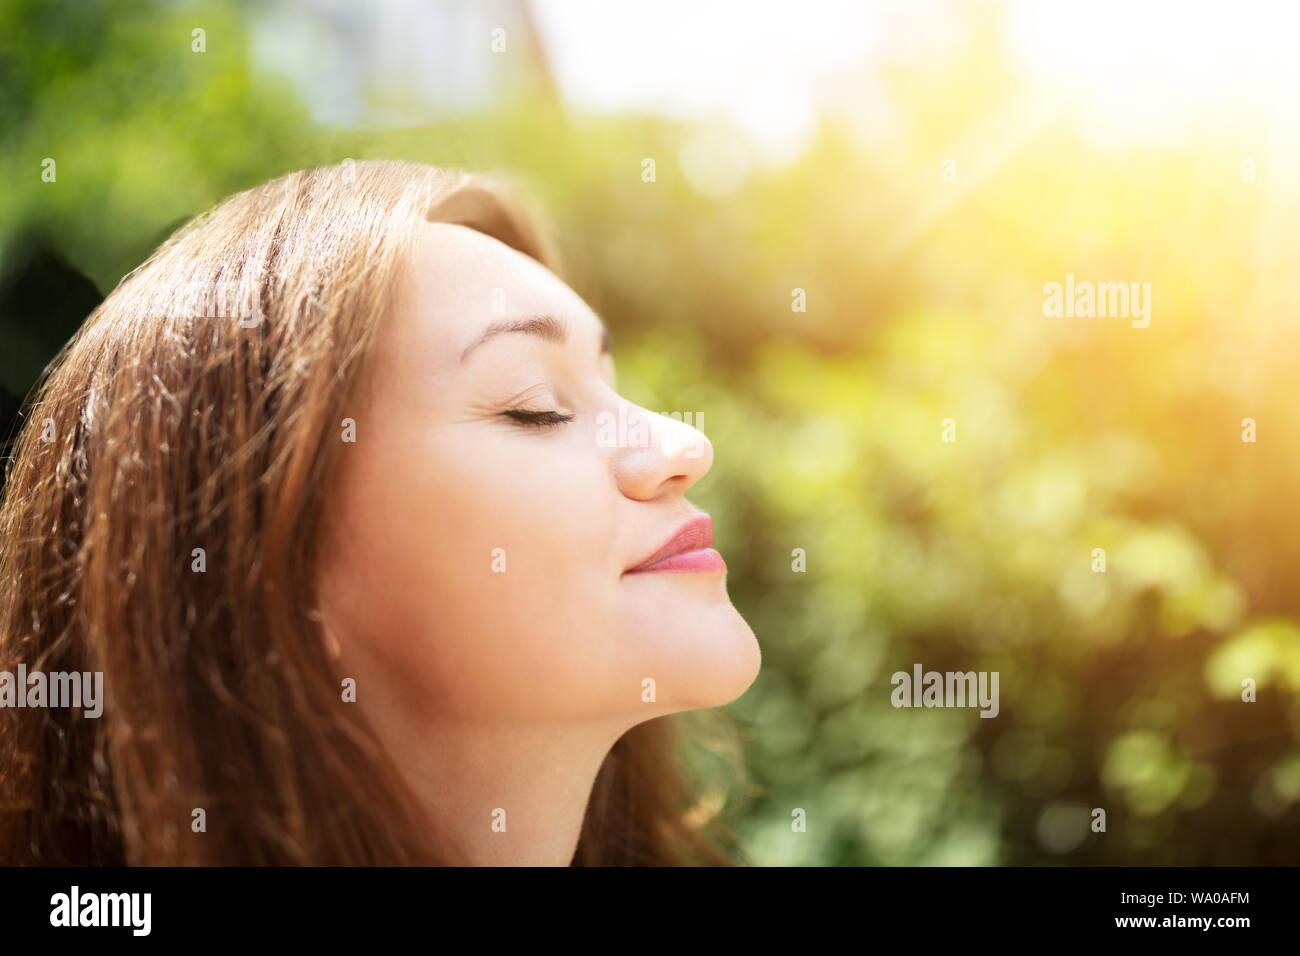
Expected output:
(333, 649)
(330, 643)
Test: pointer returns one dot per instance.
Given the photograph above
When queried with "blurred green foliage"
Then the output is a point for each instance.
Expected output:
(1119, 690)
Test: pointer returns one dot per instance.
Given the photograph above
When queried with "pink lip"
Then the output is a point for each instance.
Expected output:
(690, 549)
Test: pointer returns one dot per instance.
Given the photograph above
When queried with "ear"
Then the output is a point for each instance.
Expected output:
(333, 649)
(330, 643)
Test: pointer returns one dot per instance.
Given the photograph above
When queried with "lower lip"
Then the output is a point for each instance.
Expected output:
(705, 559)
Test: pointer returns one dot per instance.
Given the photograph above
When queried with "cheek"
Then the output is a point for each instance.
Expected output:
(487, 560)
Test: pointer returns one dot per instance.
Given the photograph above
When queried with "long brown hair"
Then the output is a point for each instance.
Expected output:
(180, 429)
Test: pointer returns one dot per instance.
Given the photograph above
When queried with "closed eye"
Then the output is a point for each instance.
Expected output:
(536, 419)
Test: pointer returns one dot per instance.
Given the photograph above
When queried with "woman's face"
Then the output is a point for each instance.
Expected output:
(495, 502)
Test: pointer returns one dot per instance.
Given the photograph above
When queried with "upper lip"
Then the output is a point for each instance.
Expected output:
(695, 534)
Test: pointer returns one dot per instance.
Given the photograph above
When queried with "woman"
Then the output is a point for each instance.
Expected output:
(325, 491)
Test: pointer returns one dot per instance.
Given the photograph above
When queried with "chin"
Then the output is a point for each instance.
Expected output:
(742, 660)
(715, 659)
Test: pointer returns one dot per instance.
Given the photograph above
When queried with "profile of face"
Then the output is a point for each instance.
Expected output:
(502, 547)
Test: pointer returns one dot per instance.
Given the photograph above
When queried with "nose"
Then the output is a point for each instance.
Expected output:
(659, 455)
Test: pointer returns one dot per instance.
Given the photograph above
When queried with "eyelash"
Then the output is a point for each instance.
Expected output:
(532, 419)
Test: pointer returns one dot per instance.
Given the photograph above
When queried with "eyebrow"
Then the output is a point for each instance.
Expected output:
(543, 326)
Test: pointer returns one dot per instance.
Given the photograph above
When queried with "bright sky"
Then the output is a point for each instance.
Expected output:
(1139, 68)
(758, 73)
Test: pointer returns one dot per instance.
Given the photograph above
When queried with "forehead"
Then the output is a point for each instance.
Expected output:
(458, 281)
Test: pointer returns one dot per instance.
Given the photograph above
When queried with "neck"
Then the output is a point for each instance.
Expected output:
(504, 795)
